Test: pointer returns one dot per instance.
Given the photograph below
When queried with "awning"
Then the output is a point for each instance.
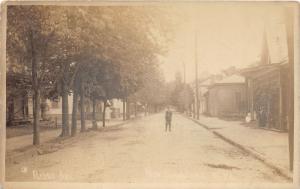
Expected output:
(259, 71)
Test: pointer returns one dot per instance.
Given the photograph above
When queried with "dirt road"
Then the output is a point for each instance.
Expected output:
(141, 151)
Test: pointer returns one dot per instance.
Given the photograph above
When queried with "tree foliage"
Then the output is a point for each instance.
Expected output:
(98, 52)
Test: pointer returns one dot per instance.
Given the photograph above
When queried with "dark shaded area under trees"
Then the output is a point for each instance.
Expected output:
(100, 53)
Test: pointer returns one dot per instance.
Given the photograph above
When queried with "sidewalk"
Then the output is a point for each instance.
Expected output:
(269, 146)
(25, 141)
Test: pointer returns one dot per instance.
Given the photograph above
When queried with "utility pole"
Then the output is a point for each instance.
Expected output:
(290, 44)
(184, 72)
(184, 88)
(196, 74)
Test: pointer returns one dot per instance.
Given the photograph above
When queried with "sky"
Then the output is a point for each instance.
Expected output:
(227, 35)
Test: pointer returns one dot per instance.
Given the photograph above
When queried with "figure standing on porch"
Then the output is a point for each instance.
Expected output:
(168, 117)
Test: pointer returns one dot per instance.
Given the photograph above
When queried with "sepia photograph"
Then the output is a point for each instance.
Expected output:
(150, 94)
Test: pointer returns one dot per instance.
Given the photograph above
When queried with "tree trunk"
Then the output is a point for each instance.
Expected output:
(43, 109)
(94, 114)
(135, 109)
(36, 117)
(82, 110)
(27, 108)
(74, 114)
(11, 111)
(100, 109)
(36, 94)
(103, 113)
(23, 107)
(194, 111)
(65, 112)
(127, 109)
(124, 109)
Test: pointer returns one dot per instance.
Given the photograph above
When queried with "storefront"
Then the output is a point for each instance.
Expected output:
(267, 99)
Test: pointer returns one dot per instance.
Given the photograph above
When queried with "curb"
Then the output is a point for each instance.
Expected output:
(253, 154)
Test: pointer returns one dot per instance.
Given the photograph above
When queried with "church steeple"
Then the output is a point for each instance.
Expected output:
(265, 54)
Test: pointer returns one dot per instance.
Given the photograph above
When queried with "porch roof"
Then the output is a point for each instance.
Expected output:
(232, 79)
(262, 70)
(17, 79)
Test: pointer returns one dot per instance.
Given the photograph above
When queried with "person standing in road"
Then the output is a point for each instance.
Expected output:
(168, 117)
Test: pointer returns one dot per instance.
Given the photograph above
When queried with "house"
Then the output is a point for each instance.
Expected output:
(17, 105)
(19, 108)
(268, 86)
(203, 83)
(227, 97)
(203, 89)
(116, 108)
(267, 99)
(53, 107)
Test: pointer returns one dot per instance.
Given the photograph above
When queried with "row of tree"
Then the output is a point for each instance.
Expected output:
(98, 53)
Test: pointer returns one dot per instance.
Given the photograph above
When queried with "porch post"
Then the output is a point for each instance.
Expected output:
(280, 101)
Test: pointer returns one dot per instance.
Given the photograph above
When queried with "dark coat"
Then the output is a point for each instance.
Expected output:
(168, 115)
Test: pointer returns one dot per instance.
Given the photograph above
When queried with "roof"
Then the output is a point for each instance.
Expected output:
(262, 70)
(231, 79)
(206, 82)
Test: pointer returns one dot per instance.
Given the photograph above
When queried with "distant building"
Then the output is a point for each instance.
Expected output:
(203, 85)
(17, 87)
(203, 89)
(116, 108)
(227, 97)
(54, 108)
(19, 105)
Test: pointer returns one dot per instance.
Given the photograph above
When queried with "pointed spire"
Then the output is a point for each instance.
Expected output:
(265, 54)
